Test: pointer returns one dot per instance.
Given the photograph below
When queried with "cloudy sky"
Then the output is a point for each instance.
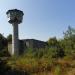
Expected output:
(42, 18)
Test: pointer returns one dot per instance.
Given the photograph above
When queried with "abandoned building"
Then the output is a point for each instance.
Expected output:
(28, 43)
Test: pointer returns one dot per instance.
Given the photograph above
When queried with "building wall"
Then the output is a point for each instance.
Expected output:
(28, 43)
(10, 48)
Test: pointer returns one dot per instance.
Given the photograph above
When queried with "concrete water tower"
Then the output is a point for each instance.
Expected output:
(15, 17)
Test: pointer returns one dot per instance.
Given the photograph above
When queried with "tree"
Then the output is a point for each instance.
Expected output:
(3, 42)
(68, 42)
(9, 38)
(55, 47)
(69, 37)
(3, 46)
(70, 33)
(52, 42)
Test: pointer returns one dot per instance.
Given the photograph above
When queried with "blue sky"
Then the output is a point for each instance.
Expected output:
(42, 18)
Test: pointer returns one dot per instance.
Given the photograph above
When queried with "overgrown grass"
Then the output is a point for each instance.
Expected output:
(31, 65)
(42, 63)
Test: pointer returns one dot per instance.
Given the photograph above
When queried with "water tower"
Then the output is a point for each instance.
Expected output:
(15, 17)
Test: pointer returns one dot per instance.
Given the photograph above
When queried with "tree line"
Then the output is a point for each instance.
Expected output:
(55, 49)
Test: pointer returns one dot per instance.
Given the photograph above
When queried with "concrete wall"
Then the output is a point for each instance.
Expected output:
(28, 43)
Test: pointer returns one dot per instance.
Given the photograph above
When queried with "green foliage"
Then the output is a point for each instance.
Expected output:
(57, 70)
(3, 42)
(55, 47)
(3, 46)
(52, 42)
(4, 52)
(68, 43)
(9, 38)
(70, 33)
(69, 38)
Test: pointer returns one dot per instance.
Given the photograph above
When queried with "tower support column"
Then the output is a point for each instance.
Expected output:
(15, 40)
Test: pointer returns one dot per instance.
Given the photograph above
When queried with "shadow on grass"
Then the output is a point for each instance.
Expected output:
(6, 70)
(13, 72)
